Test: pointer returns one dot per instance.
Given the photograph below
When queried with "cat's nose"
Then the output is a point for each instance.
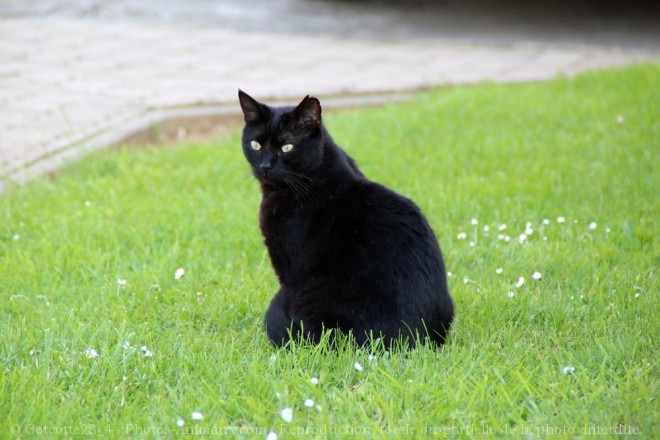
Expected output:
(265, 166)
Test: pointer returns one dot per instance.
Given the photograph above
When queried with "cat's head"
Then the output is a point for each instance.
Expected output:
(281, 143)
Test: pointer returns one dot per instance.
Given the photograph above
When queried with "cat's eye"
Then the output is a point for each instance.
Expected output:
(255, 145)
(286, 148)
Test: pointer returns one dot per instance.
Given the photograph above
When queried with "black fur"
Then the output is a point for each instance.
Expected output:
(349, 253)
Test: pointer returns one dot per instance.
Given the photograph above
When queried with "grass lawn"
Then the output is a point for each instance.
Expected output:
(88, 262)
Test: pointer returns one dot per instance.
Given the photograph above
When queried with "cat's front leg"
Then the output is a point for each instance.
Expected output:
(278, 322)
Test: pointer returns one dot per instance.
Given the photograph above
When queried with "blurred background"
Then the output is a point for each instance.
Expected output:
(619, 22)
(77, 76)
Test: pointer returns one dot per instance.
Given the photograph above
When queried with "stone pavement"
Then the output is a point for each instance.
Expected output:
(69, 86)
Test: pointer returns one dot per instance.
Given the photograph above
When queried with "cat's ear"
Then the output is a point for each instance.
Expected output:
(308, 113)
(252, 109)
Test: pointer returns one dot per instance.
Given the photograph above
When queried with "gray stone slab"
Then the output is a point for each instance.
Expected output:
(69, 86)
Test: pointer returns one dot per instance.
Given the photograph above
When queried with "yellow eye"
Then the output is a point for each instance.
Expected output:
(286, 148)
(255, 145)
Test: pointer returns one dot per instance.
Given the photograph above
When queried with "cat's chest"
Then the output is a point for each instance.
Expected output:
(285, 230)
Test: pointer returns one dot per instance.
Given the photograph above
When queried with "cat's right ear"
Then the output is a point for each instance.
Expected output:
(252, 109)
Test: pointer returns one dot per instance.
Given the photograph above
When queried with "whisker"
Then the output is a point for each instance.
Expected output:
(302, 188)
(312, 192)
(308, 177)
(294, 185)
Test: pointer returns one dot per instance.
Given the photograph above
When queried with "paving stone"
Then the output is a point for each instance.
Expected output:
(68, 85)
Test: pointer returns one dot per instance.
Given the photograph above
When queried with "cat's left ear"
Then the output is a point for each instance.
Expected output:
(308, 113)
(252, 109)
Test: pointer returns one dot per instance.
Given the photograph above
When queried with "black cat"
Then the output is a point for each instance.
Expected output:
(350, 254)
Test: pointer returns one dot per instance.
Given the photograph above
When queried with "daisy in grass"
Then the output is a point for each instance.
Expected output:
(91, 353)
(287, 415)
(180, 272)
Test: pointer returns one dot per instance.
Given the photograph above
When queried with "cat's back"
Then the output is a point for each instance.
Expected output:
(373, 228)
(376, 253)
(376, 212)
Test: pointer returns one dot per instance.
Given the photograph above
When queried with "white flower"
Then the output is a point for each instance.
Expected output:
(512, 294)
(500, 236)
(498, 270)
(461, 236)
(619, 119)
(315, 380)
(474, 222)
(32, 351)
(273, 357)
(472, 244)
(465, 280)
(88, 203)
(608, 230)
(567, 369)
(147, 353)
(592, 226)
(520, 282)
(501, 227)
(272, 435)
(546, 221)
(287, 415)
(180, 422)
(448, 274)
(486, 228)
(522, 238)
(91, 353)
(16, 237)
(180, 272)
(507, 238)
(529, 230)
(561, 220)
(121, 282)
(637, 295)
(309, 403)
(126, 345)
(537, 276)
(196, 415)
(372, 358)
(358, 366)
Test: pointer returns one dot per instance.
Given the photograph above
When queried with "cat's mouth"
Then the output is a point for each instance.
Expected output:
(269, 178)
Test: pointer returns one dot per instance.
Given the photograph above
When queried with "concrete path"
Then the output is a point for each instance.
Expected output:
(70, 85)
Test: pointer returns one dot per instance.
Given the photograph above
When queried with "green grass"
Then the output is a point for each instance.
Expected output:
(502, 154)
